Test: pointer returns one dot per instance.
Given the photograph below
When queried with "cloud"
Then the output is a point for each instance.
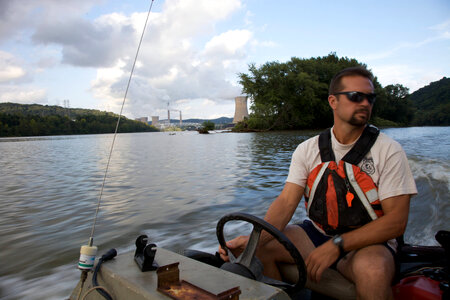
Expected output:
(441, 32)
(180, 59)
(89, 44)
(22, 94)
(412, 77)
(10, 68)
(16, 16)
(183, 56)
(229, 44)
(444, 26)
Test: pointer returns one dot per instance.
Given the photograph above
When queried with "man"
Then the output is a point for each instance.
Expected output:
(364, 254)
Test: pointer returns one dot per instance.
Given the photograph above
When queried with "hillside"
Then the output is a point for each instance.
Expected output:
(46, 110)
(37, 120)
(432, 103)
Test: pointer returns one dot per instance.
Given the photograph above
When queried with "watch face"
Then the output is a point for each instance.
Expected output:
(337, 240)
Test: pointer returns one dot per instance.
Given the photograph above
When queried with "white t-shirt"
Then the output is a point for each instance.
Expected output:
(385, 163)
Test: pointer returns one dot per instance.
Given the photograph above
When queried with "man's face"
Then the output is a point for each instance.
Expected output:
(356, 114)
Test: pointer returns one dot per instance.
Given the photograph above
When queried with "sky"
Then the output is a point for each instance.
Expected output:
(79, 53)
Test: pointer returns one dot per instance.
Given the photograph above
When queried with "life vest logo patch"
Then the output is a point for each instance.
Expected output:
(368, 166)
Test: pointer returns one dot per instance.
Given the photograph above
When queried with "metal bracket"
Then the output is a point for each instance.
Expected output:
(169, 284)
(145, 254)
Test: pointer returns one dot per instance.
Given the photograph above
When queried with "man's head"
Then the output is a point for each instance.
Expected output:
(351, 96)
(336, 82)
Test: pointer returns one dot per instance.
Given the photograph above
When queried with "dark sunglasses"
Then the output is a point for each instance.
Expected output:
(358, 97)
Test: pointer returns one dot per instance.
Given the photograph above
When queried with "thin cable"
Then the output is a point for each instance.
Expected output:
(91, 239)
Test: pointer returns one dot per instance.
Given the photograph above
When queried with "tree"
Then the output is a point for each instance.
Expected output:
(393, 104)
(292, 95)
(206, 127)
(432, 103)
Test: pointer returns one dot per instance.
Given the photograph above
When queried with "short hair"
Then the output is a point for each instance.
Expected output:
(336, 82)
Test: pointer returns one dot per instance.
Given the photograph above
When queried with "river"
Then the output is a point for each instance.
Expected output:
(172, 187)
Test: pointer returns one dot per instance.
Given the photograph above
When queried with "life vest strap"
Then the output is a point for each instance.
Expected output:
(316, 183)
(357, 153)
(359, 191)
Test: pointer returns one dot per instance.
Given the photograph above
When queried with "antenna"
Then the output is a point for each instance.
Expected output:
(88, 252)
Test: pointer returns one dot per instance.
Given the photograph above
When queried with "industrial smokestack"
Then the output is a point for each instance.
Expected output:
(241, 111)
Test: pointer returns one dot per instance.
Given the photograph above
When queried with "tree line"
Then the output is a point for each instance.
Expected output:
(433, 103)
(19, 124)
(293, 95)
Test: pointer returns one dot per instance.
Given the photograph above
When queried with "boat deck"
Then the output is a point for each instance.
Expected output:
(124, 280)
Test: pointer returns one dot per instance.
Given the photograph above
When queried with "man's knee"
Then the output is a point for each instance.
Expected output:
(273, 250)
(373, 264)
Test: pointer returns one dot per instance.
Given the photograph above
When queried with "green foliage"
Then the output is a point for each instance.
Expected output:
(206, 127)
(240, 126)
(432, 104)
(46, 110)
(293, 95)
(382, 123)
(393, 104)
(42, 124)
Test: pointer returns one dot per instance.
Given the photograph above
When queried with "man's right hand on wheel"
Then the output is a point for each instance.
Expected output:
(236, 246)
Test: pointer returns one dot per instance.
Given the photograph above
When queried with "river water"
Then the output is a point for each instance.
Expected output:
(172, 187)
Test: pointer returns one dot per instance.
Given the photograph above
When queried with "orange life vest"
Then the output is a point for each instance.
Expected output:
(340, 196)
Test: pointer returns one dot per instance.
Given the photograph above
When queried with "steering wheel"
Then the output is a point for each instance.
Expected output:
(247, 264)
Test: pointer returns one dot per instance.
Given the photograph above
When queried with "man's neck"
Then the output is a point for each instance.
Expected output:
(346, 133)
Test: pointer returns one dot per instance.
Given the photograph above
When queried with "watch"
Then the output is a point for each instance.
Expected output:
(338, 241)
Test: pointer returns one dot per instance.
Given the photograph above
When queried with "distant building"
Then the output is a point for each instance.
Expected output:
(155, 121)
(142, 119)
(241, 110)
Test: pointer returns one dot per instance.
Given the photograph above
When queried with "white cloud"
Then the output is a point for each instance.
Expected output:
(441, 32)
(23, 94)
(183, 56)
(10, 68)
(412, 77)
(205, 109)
(176, 62)
(444, 26)
(11, 72)
(228, 44)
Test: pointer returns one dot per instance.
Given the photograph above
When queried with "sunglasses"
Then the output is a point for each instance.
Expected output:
(358, 97)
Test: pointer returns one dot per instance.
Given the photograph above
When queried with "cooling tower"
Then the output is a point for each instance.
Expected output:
(155, 121)
(241, 111)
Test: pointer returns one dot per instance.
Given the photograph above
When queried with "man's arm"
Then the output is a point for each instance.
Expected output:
(282, 209)
(391, 225)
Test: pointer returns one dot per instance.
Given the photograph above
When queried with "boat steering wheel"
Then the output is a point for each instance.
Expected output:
(247, 264)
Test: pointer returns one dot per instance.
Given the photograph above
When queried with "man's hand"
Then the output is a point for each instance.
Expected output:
(236, 245)
(320, 259)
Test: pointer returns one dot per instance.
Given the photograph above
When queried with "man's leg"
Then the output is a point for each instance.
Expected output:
(273, 252)
(371, 269)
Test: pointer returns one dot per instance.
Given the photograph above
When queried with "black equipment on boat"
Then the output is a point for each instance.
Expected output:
(105, 257)
(145, 254)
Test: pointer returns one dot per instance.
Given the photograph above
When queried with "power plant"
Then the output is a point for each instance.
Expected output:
(240, 111)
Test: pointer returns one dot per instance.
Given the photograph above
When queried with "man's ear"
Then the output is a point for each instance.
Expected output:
(332, 100)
